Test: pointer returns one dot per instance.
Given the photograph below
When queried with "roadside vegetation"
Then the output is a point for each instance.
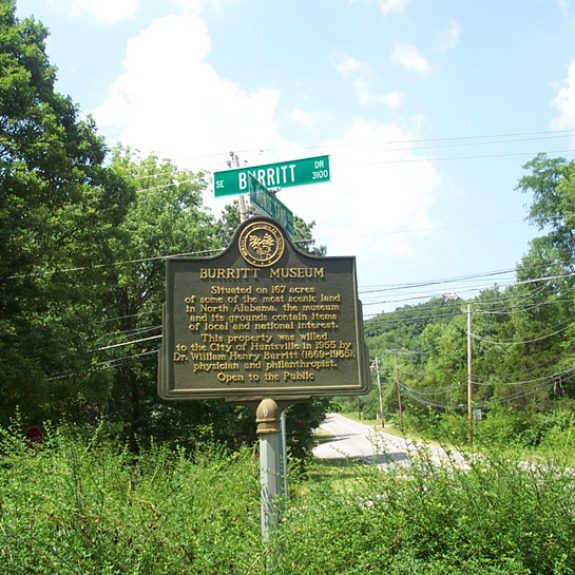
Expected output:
(75, 504)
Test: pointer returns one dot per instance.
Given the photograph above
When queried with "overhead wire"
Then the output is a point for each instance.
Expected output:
(551, 377)
(466, 140)
(476, 288)
(124, 344)
(119, 360)
(522, 342)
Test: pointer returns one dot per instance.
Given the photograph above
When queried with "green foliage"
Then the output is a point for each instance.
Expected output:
(555, 429)
(165, 218)
(59, 208)
(491, 516)
(81, 504)
(522, 337)
(72, 505)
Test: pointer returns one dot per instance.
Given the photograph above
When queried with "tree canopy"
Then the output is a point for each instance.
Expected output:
(83, 233)
(59, 212)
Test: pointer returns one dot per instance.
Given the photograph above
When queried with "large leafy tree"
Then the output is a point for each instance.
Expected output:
(59, 208)
(165, 218)
(547, 275)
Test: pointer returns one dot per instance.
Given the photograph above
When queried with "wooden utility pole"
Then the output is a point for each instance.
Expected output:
(235, 162)
(379, 390)
(399, 403)
(469, 380)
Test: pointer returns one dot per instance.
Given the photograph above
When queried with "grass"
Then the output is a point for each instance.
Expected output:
(74, 505)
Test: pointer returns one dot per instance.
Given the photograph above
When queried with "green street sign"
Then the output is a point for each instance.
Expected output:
(280, 175)
(269, 205)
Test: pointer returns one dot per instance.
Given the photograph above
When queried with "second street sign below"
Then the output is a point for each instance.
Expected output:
(280, 175)
(269, 205)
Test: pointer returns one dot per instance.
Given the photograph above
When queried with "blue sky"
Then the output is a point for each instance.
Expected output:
(428, 109)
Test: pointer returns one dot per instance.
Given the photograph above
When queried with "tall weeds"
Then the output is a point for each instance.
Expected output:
(487, 515)
(74, 507)
(85, 506)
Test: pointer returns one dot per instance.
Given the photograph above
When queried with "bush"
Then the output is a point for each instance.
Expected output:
(552, 428)
(75, 505)
(71, 506)
(492, 516)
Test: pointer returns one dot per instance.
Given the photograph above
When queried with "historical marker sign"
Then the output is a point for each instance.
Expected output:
(262, 320)
(279, 175)
(266, 203)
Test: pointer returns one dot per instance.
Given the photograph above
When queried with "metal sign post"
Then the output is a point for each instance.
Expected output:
(266, 203)
(269, 431)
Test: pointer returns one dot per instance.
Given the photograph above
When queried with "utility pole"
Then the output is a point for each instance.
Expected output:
(469, 380)
(399, 403)
(379, 390)
(235, 162)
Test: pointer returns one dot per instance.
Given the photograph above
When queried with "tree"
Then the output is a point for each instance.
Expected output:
(59, 210)
(165, 218)
(547, 276)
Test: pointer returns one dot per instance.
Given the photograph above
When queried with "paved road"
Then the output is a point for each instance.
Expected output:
(355, 440)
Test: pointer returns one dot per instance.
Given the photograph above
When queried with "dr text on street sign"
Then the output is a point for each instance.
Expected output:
(279, 175)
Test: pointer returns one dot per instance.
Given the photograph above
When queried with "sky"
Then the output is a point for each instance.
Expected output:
(428, 109)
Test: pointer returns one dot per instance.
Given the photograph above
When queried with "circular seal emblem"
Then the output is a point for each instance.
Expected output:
(261, 244)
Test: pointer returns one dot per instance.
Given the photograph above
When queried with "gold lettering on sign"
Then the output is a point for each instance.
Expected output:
(228, 273)
(269, 331)
(297, 273)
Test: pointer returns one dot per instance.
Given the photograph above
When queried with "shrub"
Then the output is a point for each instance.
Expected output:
(71, 506)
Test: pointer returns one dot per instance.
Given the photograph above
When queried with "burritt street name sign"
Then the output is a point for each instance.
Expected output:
(279, 175)
(262, 320)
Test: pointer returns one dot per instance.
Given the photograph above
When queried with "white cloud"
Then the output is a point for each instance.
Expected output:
(362, 91)
(376, 187)
(103, 11)
(309, 120)
(170, 100)
(448, 38)
(391, 99)
(387, 6)
(564, 101)
(563, 6)
(199, 6)
(366, 96)
(362, 75)
(345, 65)
(410, 58)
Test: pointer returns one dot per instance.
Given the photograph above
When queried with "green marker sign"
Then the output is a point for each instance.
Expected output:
(269, 205)
(280, 175)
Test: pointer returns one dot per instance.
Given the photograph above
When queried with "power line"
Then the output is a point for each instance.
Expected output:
(478, 288)
(120, 360)
(470, 157)
(440, 281)
(523, 342)
(502, 136)
(550, 377)
(129, 342)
